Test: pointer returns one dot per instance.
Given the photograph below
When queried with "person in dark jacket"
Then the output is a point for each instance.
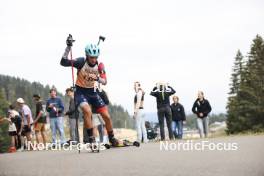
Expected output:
(40, 119)
(202, 108)
(55, 108)
(178, 117)
(162, 93)
(73, 115)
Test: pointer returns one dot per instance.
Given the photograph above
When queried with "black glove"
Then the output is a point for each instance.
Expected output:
(155, 88)
(69, 40)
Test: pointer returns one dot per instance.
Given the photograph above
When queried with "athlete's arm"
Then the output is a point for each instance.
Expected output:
(102, 75)
(77, 63)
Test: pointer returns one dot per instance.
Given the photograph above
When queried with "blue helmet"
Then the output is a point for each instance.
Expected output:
(92, 50)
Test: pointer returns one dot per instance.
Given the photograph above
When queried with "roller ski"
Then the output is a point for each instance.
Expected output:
(93, 145)
(123, 143)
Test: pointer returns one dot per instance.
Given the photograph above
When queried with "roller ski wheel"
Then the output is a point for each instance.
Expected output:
(124, 143)
(107, 146)
(129, 143)
(94, 147)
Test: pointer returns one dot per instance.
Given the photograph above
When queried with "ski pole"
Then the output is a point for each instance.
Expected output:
(74, 90)
(73, 86)
(100, 38)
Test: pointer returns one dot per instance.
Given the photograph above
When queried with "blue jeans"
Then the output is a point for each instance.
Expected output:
(73, 129)
(57, 124)
(177, 129)
(141, 128)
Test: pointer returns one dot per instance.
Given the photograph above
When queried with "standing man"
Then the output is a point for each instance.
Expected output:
(73, 117)
(90, 72)
(40, 120)
(202, 108)
(27, 121)
(138, 113)
(178, 117)
(55, 108)
(162, 93)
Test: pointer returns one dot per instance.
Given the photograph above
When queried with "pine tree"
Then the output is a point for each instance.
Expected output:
(253, 86)
(4, 138)
(232, 106)
(245, 107)
(236, 75)
(3, 104)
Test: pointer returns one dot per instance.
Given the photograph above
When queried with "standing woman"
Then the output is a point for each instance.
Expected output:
(178, 117)
(202, 108)
(138, 113)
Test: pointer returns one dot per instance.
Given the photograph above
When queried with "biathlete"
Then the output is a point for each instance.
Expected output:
(89, 73)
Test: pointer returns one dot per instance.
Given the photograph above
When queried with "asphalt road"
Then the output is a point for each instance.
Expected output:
(247, 160)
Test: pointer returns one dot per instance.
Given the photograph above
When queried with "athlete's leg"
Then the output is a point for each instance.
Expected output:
(108, 124)
(87, 115)
(106, 116)
(88, 124)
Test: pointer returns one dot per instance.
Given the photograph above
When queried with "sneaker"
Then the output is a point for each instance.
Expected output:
(12, 150)
(20, 150)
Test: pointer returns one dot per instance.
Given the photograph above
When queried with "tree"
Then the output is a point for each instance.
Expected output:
(253, 86)
(245, 108)
(232, 105)
(236, 75)
(4, 138)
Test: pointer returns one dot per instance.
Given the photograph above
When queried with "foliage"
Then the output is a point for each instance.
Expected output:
(245, 108)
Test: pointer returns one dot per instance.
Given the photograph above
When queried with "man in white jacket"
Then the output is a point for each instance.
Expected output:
(138, 113)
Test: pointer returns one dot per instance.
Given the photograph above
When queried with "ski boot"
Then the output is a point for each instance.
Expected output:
(93, 145)
(114, 142)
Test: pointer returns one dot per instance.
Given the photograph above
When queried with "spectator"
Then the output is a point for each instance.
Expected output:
(40, 119)
(73, 117)
(27, 121)
(12, 130)
(162, 93)
(202, 108)
(138, 113)
(17, 120)
(178, 117)
(55, 108)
